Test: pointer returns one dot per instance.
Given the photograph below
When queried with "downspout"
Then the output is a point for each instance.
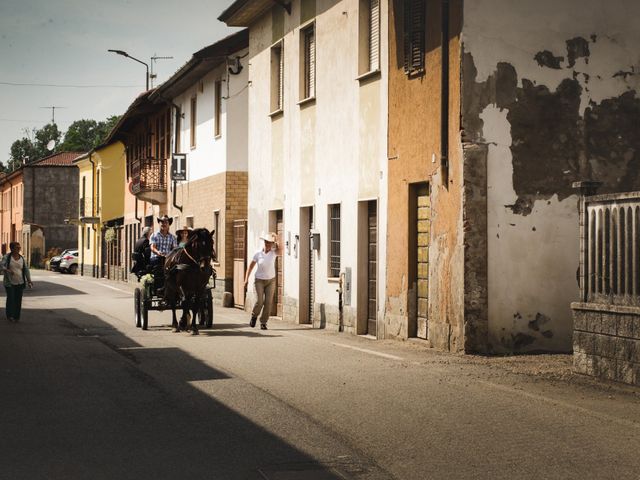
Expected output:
(444, 97)
(93, 200)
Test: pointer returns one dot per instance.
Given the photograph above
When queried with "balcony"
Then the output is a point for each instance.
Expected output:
(149, 180)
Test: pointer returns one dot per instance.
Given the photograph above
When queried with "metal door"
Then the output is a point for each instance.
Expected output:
(239, 261)
(372, 267)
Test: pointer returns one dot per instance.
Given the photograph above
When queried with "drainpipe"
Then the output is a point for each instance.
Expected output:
(340, 303)
(444, 97)
(93, 199)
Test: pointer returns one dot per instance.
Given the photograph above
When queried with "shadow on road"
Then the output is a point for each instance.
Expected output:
(43, 288)
(87, 413)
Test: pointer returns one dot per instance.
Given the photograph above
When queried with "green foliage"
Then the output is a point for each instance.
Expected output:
(110, 235)
(33, 146)
(83, 135)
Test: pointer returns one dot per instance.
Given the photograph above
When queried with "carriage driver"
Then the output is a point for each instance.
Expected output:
(162, 241)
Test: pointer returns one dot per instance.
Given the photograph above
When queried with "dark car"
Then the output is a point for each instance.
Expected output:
(54, 263)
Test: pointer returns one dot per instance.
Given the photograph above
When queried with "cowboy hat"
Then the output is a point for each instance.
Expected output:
(165, 218)
(184, 229)
(269, 237)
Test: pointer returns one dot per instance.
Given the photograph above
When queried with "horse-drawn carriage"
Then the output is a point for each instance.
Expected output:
(182, 282)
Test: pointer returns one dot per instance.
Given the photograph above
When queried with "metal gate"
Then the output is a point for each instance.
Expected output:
(423, 217)
(239, 261)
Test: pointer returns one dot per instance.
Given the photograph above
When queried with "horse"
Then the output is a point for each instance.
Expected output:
(187, 270)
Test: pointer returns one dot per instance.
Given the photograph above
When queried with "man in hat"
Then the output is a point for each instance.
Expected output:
(162, 241)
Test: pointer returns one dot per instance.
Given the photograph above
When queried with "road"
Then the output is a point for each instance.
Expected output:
(85, 394)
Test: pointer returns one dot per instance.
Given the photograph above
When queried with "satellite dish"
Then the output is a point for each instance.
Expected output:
(51, 145)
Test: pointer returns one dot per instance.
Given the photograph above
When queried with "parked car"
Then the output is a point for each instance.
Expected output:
(69, 262)
(54, 263)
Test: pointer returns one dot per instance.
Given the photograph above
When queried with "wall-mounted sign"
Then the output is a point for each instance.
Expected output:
(179, 166)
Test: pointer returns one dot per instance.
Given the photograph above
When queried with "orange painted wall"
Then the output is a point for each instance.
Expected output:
(414, 142)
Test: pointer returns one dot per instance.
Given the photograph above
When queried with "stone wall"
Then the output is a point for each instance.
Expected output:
(606, 341)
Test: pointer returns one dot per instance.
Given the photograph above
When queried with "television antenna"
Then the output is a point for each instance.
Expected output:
(53, 112)
(155, 58)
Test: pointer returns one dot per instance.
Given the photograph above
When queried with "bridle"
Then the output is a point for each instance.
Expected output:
(201, 262)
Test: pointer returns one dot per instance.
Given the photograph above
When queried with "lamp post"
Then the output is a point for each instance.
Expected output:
(125, 54)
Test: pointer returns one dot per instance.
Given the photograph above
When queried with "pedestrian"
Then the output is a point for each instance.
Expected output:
(265, 279)
(16, 276)
(141, 251)
(162, 241)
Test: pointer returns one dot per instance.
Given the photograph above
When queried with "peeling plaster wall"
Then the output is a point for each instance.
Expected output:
(550, 87)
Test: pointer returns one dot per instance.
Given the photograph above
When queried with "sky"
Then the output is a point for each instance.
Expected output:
(65, 42)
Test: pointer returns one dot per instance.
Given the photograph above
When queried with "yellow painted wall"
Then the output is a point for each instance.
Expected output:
(87, 238)
(110, 162)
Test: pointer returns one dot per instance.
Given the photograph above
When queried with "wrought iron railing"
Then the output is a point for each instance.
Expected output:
(148, 175)
(610, 249)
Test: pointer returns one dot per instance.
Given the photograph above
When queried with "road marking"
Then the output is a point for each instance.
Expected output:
(370, 352)
(113, 288)
(570, 406)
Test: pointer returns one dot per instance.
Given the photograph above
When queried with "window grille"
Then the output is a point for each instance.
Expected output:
(374, 34)
(334, 240)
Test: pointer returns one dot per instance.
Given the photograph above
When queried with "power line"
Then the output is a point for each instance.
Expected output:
(15, 84)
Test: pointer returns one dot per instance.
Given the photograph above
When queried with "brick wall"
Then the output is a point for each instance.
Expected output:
(606, 341)
(225, 193)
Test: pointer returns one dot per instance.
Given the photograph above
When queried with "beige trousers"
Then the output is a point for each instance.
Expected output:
(264, 290)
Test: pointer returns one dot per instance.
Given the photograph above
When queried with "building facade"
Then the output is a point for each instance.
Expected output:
(211, 92)
(318, 154)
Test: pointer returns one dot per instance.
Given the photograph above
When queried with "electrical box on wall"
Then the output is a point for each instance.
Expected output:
(314, 240)
(347, 286)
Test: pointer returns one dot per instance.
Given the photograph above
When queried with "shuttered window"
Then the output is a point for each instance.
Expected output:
(414, 36)
(309, 62)
(374, 34)
(277, 77)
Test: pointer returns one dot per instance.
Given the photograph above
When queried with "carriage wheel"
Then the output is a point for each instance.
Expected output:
(208, 309)
(144, 310)
(137, 294)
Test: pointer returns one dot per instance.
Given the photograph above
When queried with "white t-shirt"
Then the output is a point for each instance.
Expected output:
(266, 263)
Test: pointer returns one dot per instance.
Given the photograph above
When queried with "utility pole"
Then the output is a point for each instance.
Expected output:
(155, 58)
(53, 112)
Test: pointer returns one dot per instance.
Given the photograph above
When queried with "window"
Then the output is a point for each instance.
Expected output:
(98, 191)
(334, 240)
(414, 36)
(307, 62)
(218, 108)
(193, 121)
(189, 221)
(369, 37)
(178, 145)
(277, 78)
(216, 221)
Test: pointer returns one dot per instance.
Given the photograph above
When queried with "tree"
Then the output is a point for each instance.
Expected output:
(83, 135)
(33, 146)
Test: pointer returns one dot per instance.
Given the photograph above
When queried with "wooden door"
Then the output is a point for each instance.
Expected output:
(239, 261)
(372, 267)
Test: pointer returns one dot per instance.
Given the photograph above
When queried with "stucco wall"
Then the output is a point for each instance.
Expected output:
(414, 156)
(330, 150)
(550, 89)
(215, 154)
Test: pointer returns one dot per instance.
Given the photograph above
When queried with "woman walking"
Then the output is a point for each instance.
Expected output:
(265, 281)
(16, 276)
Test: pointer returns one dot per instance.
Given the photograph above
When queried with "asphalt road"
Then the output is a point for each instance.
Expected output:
(85, 394)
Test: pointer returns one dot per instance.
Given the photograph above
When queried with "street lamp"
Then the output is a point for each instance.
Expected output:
(125, 54)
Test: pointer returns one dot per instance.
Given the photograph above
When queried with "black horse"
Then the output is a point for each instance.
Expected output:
(187, 271)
